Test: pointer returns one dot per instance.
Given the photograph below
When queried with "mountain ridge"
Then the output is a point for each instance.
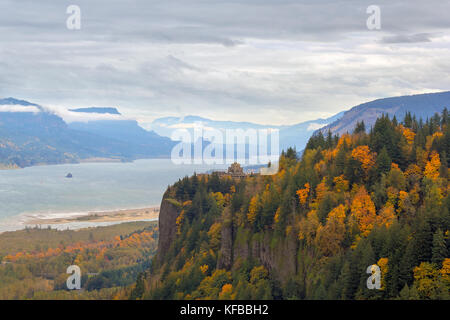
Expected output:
(101, 110)
(126, 139)
(421, 105)
(42, 137)
(290, 135)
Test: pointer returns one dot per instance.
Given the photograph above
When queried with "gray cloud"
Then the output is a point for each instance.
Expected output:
(270, 61)
(413, 38)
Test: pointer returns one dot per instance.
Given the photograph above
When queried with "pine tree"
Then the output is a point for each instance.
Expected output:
(383, 163)
(360, 127)
(408, 120)
(367, 259)
(439, 251)
(408, 262)
(138, 290)
(424, 241)
(350, 278)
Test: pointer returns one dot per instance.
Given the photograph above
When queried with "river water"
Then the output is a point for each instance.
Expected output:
(44, 191)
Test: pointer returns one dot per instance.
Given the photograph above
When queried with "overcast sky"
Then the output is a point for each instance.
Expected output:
(267, 61)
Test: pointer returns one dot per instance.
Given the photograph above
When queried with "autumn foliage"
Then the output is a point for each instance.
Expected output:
(378, 196)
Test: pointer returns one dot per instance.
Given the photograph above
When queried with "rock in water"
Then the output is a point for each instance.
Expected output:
(69, 175)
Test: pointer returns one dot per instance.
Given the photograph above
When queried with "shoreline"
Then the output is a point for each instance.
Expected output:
(122, 215)
(79, 220)
(81, 161)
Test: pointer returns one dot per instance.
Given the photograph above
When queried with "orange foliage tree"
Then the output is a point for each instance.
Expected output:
(363, 211)
(363, 155)
(408, 134)
(303, 194)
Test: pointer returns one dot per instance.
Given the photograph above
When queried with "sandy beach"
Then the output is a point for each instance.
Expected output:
(100, 216)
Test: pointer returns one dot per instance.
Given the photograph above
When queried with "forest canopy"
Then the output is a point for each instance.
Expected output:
(377, 196)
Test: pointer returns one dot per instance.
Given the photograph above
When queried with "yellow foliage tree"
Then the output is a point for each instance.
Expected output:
(308, 227)
(179, 221)
(214, 234)
(220, 199)
(276, 218)
(258, 273)
(338, 214)
(432, 167)
(303, 194)
(204, 268)
(426, 280)
(412, 170)
(386, 216)
(344, 139)
(363, 211)
(430, 139)
(330, 237)
(253, 209)
(403, 198)
(363, 155)
(421, 157)
(408, 134)
(445, 272)
(383, 264)
(320, 167)
(321, 190)
(225, 294)
(341, 184)
(392, 194)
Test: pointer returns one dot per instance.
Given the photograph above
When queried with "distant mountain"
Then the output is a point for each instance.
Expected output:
(140, 142)
(421, 105)
(298, 135)
(28, 138)
(30, 135)
(165, 126)
(290, 136)
(13, 101)
(97, 110)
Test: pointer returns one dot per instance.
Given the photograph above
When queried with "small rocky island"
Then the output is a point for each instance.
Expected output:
(69, 175)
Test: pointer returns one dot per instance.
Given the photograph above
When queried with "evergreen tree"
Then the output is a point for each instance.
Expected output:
(439, 251)
(360, 127)
(423, 241)
(383, 163)
(139, 288)
(350, 278)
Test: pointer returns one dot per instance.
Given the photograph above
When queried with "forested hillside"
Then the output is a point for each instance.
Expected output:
(311, 230)
(33, 262)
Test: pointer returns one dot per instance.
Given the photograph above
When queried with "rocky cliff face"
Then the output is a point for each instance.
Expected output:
(278, 256)
(167, 228)
(225, 260)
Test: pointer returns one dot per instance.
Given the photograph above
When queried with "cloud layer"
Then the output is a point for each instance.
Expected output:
(18, 108)
(267, 61)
